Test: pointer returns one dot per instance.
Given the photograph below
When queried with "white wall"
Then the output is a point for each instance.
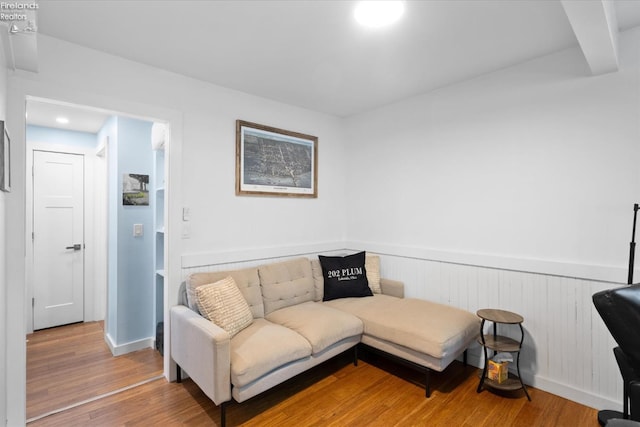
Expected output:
(222, 222)
(537, 162)
(100, 190)
(534, 168)
(202, 122)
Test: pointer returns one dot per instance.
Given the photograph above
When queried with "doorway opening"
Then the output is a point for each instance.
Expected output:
(76, 173)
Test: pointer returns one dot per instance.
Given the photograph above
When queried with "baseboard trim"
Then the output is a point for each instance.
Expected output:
(119, 350)
(475, 358)
(574, 394)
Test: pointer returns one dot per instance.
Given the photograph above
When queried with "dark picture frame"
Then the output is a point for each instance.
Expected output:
(275, 162)
(135, 189)
(5, 158)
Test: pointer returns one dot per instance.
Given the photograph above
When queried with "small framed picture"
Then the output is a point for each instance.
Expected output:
(135, 189)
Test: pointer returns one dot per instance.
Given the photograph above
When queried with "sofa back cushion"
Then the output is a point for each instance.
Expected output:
(318, 280)
(246, 279)
(286, 283)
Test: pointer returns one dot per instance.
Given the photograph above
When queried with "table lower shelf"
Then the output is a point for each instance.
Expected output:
(510, 384)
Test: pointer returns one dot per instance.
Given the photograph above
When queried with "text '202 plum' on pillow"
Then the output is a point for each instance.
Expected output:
(344, 276)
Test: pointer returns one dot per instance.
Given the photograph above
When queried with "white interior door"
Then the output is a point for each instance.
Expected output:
(58, 239)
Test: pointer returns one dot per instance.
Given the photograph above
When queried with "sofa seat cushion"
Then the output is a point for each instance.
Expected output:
(321, 325)
(428, 327)
(262, 347)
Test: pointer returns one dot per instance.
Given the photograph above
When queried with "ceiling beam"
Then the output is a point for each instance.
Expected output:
(596, 28)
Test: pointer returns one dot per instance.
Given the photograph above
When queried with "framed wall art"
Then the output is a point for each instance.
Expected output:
(135, 190)
(275, 162)
(5, 158)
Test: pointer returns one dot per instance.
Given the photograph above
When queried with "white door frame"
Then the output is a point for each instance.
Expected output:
(19, 93)
(89, 225)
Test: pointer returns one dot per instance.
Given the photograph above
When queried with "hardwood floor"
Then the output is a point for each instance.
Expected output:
(377, 392)
(72, 363)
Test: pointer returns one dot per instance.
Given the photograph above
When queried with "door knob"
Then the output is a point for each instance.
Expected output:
(75, 247)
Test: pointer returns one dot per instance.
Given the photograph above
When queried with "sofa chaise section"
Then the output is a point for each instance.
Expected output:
(425, 333)
(421, 333)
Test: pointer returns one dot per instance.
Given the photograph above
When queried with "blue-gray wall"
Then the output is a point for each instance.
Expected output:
(130, 296)
(136, 297)
(69, 138)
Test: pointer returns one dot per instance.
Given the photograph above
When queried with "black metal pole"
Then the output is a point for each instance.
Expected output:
(632, 245)
(605, 415)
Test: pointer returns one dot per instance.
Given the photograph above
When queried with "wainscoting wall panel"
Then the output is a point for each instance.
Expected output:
(567, 349)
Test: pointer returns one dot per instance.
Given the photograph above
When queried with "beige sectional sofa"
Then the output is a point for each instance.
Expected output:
(293, 330)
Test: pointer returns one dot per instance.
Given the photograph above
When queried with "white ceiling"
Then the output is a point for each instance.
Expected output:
(82, 119)
(628, 13)
(312, 53)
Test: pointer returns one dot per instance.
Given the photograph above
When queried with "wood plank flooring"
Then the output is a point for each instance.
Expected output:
(377, 392)
(72, 363)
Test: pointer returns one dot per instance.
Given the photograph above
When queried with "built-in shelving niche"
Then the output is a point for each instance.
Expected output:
(159, 228)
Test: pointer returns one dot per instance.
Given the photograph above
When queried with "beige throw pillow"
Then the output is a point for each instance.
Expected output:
(223, 304)
(372, 265)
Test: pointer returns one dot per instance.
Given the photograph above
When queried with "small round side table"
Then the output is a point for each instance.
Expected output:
(498, 343)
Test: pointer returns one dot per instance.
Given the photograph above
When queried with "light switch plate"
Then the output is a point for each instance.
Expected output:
(138, 230)
(186, 230)
(186, 213)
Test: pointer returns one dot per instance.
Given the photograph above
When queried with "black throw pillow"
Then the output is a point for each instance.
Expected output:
(344, 276)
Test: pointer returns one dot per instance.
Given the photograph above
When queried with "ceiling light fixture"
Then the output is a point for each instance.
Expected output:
(62, 120)
(376, 14)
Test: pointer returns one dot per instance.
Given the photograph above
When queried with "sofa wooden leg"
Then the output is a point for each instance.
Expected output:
(223, 414)
(464, 358)
(178, 374)
(428, 384)
(355, 355)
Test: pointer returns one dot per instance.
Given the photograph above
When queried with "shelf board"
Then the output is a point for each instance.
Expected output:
(500, 343)
(160, 189)
(499, 316)
(160, 273)
(160, 230)
(510, 384)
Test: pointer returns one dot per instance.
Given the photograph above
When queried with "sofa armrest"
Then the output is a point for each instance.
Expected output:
(393, 288)
(203, 350)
